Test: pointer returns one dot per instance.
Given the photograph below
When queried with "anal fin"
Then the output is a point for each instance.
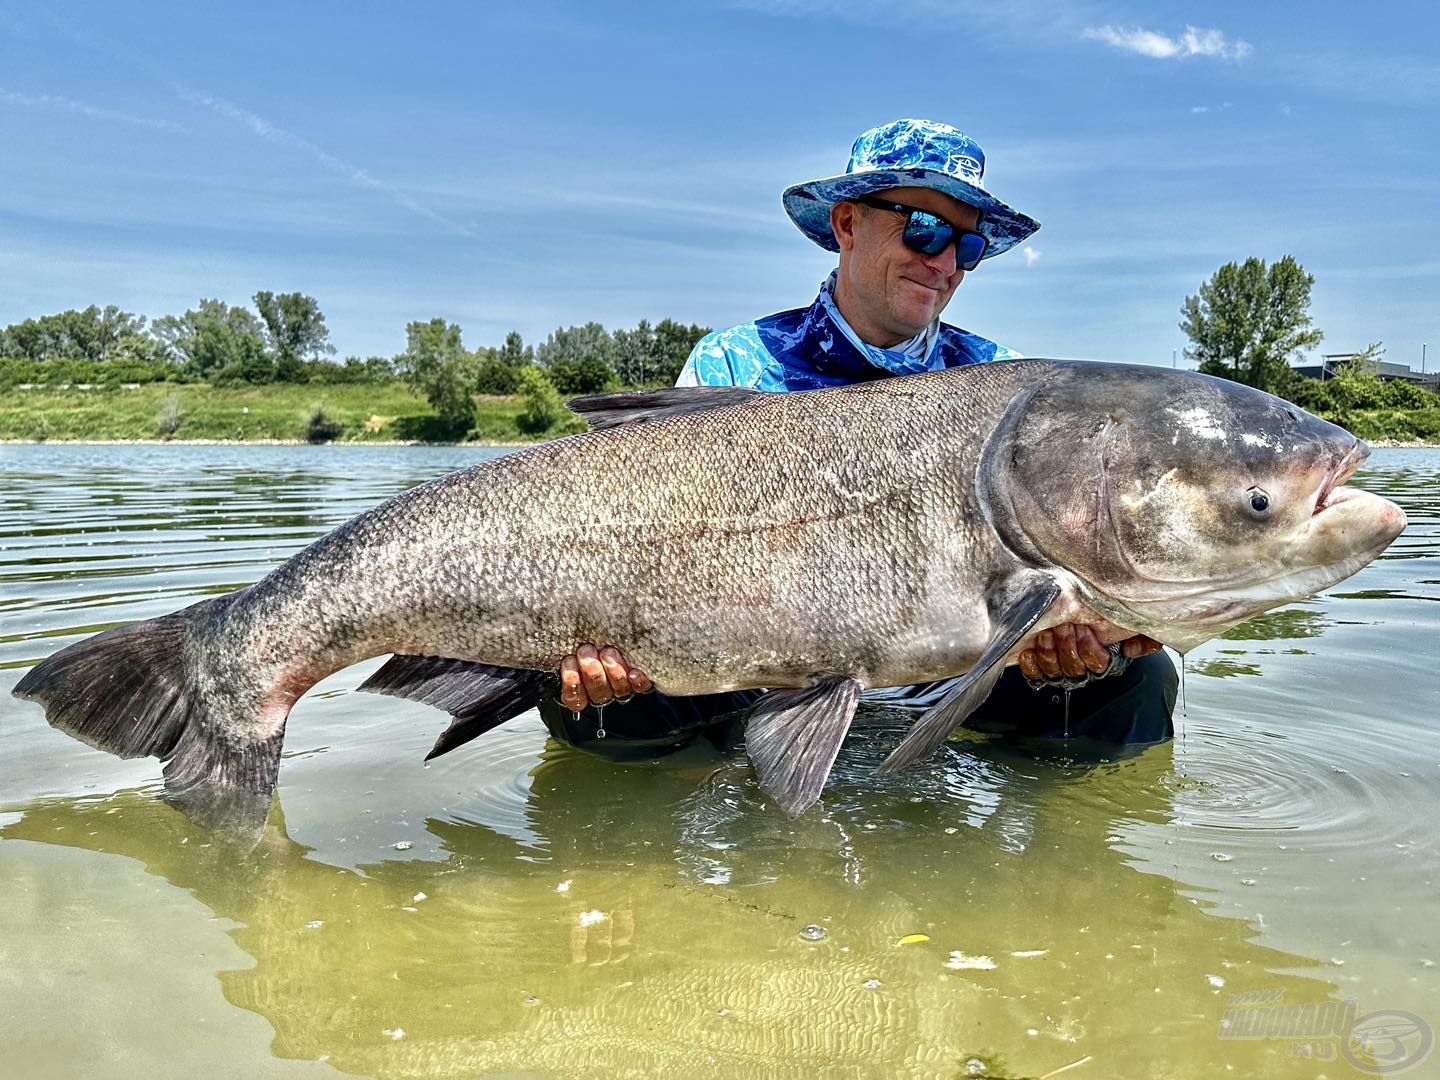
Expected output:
(1020, 608)
(478, 696)
(792, 738)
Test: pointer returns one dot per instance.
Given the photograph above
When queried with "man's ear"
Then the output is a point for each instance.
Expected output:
(843, 216)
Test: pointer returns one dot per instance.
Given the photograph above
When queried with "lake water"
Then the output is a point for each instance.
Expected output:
(521, 909)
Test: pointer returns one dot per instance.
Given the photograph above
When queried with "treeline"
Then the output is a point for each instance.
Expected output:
(285, 340)
(1250, 322)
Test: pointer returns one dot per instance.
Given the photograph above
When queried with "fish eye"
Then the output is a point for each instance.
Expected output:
(1259, 502)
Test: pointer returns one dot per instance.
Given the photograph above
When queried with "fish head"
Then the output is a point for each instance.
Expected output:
(1183, 503)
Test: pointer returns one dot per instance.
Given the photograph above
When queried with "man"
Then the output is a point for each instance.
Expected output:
(909, 218)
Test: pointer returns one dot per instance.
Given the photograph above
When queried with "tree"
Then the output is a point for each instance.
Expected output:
(216, 342)
(1249, 321)
(436, 364)
(673, 344)
(515, 353)
(95, 334)
(637, 356)
(579, 359)
(294, 331)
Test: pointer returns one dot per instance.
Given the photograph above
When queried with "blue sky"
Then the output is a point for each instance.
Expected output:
(541, 164)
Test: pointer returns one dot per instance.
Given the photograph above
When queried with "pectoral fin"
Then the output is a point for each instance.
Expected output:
(479, 697)
(1024, 602)
(793, 736)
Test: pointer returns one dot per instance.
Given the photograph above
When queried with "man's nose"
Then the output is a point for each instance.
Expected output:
(943, 262)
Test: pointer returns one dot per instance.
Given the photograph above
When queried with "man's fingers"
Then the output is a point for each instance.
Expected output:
(592, 673)
(616, 671)
(1068, 651)
(639, 681)
(1045, 654)
(1028, 667)
(1095, 655)
(1140, 645)
(572, 693)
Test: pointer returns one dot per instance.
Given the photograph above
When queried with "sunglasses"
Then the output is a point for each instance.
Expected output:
(930, 235)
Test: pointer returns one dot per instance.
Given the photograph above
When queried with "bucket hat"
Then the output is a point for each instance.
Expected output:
(909, 153)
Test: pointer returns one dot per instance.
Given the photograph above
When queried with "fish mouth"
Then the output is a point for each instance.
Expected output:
(1333, 489)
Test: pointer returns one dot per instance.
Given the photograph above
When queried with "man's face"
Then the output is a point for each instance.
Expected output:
(887, 292)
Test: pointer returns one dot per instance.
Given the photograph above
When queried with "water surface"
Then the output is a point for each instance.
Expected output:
(520, 908)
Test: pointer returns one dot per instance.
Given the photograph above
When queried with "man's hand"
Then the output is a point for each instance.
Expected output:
(591, 676)
(1073, 650)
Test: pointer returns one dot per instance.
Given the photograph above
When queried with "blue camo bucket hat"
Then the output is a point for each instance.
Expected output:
(909, 153)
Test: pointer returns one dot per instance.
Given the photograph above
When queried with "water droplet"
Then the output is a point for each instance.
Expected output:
(814, 933)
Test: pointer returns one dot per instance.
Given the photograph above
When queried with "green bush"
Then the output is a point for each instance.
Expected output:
(1314, 395)
(167, 417)
(544, 412)
(1399, 394)
(322, 427)
(497, 378)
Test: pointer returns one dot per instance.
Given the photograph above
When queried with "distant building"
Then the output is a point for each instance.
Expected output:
(1330, 363)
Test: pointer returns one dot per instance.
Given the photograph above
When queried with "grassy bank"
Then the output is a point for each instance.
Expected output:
(365, 413)
(388, 412)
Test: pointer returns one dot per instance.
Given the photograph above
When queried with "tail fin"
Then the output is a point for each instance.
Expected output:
(133, 691)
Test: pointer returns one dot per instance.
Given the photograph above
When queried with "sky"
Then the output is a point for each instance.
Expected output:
(527, 166)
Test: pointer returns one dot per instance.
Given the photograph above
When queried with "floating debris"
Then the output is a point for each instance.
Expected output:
(1220, 856)
(314, 924)
(564, 886)
(592, 918)
(394, 1033)
(419, 896)
(402, 845)
(1026, 954)
(959, 961)
(912, 939)
(871, 984)
(1216, 981)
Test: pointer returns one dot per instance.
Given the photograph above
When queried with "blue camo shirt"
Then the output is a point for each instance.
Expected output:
(803, 349)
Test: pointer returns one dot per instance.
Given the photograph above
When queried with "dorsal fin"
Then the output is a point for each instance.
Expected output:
(602, 411)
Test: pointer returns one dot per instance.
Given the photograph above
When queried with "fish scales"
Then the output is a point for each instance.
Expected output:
(762, 512)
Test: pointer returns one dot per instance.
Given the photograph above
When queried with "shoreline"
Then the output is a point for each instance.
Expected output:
(1378, 444)
(260, 442)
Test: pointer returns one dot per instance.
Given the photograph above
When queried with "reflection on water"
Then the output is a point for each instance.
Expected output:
(521, 908)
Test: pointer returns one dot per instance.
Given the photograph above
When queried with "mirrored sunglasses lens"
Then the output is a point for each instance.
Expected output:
(927, 234)
(969, 250)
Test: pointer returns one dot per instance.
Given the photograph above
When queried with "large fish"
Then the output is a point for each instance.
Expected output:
(815, 544)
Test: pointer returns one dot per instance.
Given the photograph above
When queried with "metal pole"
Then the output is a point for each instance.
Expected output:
(1172, 358)
(1423, 346)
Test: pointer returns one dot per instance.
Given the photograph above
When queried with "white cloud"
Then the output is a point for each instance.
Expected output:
(1194, 41)
(262, 128)
(1032, 255)
(1200, 108)
(50, 101)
